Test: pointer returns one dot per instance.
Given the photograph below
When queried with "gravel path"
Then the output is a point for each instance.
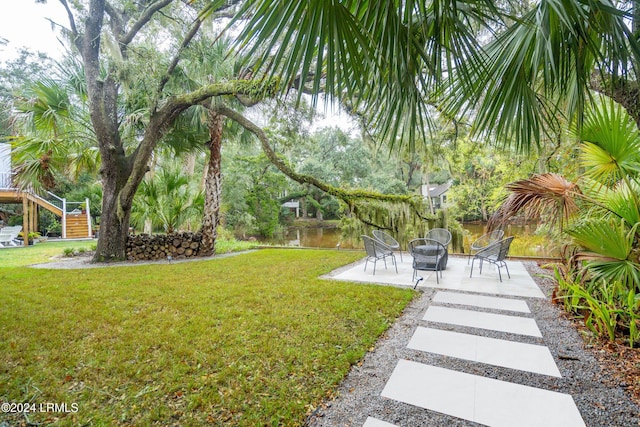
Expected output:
(84, 261)
(599, 398)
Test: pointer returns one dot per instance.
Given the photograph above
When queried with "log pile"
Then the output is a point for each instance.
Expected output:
(145, 247)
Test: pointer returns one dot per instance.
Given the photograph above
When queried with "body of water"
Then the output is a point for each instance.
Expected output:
(526, 243)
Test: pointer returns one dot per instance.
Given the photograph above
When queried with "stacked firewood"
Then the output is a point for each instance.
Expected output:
(142, 247)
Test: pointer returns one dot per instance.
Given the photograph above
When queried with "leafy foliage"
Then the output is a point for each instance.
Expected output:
(169, 200)
(605, 225)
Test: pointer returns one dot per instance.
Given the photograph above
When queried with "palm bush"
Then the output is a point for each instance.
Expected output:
(600, 211)
(168, 200)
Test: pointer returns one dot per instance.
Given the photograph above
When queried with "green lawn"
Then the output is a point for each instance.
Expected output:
(40, 252)
(254, 339)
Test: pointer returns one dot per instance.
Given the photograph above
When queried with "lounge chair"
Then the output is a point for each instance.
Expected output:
(8, 235)
(483, 241)
(6, 239)
(428, 255)
(388, 240)
(496, 254)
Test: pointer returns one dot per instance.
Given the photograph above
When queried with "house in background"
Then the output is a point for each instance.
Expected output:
(74, 216)
(437, 194)
(293, 205)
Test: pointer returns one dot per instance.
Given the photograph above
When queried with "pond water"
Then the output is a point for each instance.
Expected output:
(526, 243)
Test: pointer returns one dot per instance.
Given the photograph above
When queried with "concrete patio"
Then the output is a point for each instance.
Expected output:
(480, 320)
(455, 277)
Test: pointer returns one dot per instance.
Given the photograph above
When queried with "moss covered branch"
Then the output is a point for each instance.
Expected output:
(352, 198)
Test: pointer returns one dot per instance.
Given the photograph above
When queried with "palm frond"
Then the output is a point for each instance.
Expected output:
(607, 238)
(610, 143)
(620, 200)
(609, 250)
(384, 59)
(539, 195)
(540, 69)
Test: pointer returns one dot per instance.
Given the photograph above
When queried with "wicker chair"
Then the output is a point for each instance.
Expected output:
(428, 255)
(377, 250)
(484, 241)
(495, 254)
(388, 240)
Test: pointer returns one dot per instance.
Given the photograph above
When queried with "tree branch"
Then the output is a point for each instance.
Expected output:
(624, 92)
(72, 21)
(143, 20)
(176, 58)
(117, 23)
(347, 196)
(162, 120)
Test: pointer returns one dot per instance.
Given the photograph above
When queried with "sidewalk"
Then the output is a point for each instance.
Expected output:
(474, 351)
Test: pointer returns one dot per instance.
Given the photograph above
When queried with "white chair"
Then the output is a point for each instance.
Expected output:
(6, 239)
(9, 235)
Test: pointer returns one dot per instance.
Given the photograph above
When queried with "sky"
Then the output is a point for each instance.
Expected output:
(23, 23)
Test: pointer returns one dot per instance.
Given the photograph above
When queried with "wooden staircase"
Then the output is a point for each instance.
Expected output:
(76, 224)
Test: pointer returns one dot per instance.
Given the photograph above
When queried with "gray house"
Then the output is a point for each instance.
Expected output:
(437, 194)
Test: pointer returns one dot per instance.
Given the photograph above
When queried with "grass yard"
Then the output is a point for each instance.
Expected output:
(39, 253)
(254, 339)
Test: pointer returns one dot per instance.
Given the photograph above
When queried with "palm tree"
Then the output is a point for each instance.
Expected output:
(211, 62)
(52, 136)
(390, 61)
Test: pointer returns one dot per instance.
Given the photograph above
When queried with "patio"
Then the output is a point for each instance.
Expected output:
(474, 352)
(455, 277)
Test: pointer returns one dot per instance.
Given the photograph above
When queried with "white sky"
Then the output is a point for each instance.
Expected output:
(23, 23)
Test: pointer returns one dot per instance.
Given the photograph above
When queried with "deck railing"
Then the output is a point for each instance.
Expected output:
(6, 182)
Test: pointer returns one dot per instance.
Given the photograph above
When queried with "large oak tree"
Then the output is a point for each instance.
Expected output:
(119, 43)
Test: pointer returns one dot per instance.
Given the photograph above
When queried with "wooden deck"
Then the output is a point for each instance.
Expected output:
(10, 196)
(75, 225)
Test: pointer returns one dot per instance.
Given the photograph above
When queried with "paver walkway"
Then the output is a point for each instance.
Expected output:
(474, 397)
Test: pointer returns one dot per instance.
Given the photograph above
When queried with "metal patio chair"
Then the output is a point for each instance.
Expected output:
(443, 236)
(377, 250)
(387, 239)
(495, 254)
(428, 255)
(483, 241)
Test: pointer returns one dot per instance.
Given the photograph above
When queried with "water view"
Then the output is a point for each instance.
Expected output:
(526, 243)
